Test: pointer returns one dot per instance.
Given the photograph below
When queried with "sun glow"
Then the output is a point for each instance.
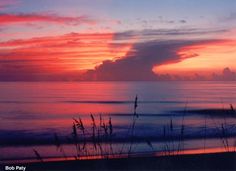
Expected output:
(70, 52)
(202, 58)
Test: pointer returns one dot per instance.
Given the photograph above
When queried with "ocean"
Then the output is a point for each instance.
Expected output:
(31, 113)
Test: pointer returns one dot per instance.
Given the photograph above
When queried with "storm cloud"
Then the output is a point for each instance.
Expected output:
(139, 63)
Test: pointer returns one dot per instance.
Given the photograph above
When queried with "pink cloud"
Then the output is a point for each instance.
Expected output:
(7, 19)
(55, 57)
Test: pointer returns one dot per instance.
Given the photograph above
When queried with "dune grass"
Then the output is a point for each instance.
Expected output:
(101, 134)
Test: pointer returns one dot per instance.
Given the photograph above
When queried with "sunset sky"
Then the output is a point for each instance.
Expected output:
(48, 40)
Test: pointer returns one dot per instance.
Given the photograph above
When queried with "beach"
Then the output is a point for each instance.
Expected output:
(214, 161)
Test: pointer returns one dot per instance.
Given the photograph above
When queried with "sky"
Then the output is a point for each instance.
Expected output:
(81, 40)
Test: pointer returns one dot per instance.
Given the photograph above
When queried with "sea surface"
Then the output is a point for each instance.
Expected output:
(31, 113)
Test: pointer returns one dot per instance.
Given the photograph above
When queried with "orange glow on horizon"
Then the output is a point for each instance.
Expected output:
(202, 58)
(204, 151)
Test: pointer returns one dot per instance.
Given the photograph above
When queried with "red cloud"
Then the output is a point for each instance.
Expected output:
(6, 19)
(40, 58)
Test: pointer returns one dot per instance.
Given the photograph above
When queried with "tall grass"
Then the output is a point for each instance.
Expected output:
(59, 145)
(100, 136)
(38, 156)
(205, 132)
(134, 119)
(182, 128)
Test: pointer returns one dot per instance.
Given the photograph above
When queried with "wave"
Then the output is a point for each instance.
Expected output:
(210, 112)
(118, 102)
(110, 101)
(96, 102)
(121, 134)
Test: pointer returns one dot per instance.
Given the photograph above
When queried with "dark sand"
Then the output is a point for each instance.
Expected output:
(216, 161)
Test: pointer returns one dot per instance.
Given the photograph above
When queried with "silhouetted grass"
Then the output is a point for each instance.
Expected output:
(135, 116)
(101, 134)
(38, 156)
(59, 145)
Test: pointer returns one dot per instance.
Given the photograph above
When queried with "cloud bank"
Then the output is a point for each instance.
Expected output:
(99, 56)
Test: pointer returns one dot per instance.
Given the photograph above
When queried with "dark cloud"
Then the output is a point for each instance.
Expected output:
(162, 20)
(227, 75)
(139, 63)
(183, 21)
(147, 34)
(230, 17)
